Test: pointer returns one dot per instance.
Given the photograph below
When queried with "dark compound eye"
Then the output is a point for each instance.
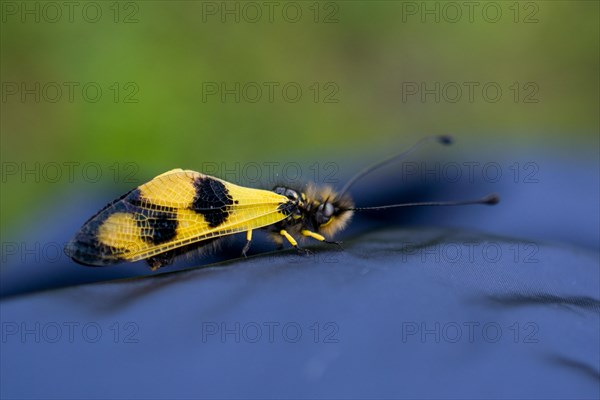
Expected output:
(328, 210)
(324, 213)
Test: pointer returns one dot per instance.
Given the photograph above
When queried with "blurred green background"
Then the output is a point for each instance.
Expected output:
(158, 63)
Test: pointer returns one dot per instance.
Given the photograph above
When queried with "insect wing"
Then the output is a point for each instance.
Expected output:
(174, 209)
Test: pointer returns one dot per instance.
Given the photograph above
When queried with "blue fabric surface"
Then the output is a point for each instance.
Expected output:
(401, 313)
(435, 313)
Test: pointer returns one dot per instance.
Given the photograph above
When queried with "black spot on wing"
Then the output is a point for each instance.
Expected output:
(85, 248)
(144, 203)
(157, 227)
(119, 205)
(212, 200)
(89, 251)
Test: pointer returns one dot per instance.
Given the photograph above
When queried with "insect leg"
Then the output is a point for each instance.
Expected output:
(314, 235)
(321, 238)
(293, 241)
(248, 241)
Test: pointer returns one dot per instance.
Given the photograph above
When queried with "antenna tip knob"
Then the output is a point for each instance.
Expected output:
(491, 199)
(445, 139)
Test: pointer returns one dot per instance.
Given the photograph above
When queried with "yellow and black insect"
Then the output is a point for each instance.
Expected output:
(182, 210)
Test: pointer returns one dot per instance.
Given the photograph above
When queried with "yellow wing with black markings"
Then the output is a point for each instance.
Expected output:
(175, 209)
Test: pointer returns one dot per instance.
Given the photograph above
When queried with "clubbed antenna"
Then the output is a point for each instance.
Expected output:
(443, 139)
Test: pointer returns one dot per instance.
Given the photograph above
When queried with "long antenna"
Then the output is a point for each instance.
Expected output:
(490, 199)
(443, 139)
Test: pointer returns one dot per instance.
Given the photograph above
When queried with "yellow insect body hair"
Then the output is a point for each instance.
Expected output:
(314, 197)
